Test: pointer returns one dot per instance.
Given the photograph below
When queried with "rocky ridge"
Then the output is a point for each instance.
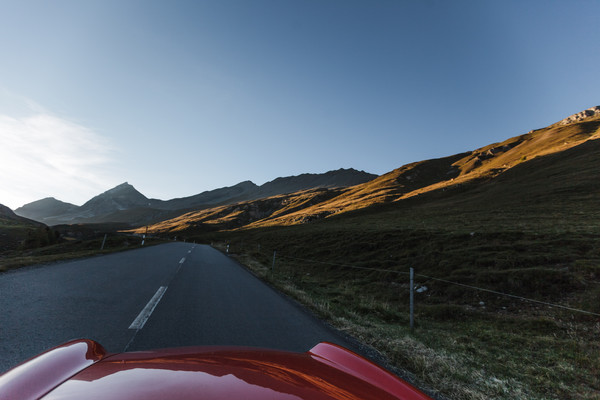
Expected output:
(580, 116)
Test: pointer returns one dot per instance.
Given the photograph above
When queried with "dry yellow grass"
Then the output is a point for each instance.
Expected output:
(411, 180)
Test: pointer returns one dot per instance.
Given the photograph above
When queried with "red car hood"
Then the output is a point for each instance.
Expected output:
(82, 369)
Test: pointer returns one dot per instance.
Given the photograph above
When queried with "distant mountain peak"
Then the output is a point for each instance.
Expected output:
(47, 207)
(122, 186)
(121, 197)
(122, 189)
(580, 116)
(45, 201)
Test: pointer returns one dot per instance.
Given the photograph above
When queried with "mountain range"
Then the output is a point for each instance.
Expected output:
(124, 204)
(308, 197)
(493, 173)
(484, 230)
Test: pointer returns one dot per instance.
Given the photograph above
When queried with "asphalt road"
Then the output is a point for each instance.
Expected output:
(207, 299)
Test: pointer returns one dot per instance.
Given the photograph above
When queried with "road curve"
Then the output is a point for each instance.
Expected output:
(206, 299)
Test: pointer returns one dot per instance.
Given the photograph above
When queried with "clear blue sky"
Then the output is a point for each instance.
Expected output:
(178, 97)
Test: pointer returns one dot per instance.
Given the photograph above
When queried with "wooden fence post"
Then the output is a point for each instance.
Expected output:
(412, 300)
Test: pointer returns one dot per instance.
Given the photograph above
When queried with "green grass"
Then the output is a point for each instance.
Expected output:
(506, 349)
(13, 233)
(467, 344)
(533, 231)
(68, 250)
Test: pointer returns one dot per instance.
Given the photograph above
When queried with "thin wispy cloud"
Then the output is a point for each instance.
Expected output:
(44, 155)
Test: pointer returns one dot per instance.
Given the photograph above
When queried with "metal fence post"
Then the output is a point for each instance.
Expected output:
(412, 300)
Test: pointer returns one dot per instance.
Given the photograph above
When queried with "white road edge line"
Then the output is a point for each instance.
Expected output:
(141, 319)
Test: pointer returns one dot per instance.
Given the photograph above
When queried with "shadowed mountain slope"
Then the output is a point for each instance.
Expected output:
(14, 229)
(124, 204)
(207, 198)
(46, 208)
(121, 197)
(8, 214)
(332, 179)
(249, 191)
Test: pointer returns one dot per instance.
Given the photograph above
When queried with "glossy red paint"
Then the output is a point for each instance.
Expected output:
(215, 373)
(36, 377)
(355, 365)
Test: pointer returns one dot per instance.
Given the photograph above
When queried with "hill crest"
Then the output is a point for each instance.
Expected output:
(43, 209)
(438, 175)
(581, 116)
(121, 197)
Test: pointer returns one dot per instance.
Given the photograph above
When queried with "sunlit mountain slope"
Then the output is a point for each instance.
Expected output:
(492, 163)
(481, 165)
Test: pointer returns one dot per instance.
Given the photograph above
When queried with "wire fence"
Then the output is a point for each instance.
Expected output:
(472, 287)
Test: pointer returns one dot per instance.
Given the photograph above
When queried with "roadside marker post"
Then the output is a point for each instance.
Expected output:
(412, 300)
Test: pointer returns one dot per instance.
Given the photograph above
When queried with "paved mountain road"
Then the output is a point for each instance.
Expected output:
(209, 300)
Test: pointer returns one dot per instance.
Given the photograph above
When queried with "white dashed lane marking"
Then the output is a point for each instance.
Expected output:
(143, 316)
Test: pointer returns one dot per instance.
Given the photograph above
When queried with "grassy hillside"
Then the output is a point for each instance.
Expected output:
(15, 231)
(240, 214)
(543, 215)
(67, 242)
(450, 174)
(532, 230)
(41, 209)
